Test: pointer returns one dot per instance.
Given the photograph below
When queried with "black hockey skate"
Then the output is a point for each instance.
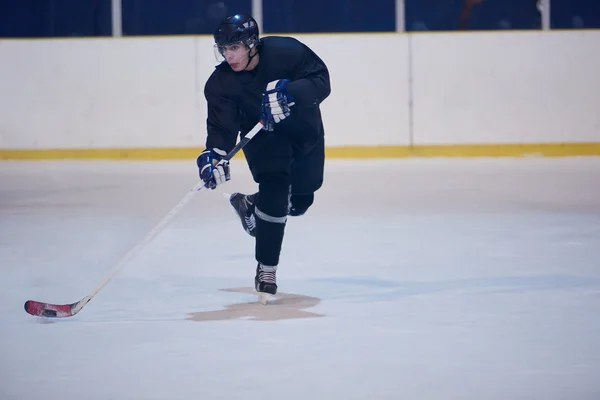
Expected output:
(244, 207)
(265, 282)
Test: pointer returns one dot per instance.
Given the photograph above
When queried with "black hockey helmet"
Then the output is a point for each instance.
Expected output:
(238, 28)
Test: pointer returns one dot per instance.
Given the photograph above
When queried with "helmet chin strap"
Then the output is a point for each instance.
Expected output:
(250, 57)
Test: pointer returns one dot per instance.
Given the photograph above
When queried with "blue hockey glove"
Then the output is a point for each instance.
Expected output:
(276, 103)
(212, 168)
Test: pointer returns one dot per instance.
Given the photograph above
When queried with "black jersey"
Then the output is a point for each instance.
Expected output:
(234, 98)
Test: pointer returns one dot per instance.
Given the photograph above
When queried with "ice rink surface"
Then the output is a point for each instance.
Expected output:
(407, 279)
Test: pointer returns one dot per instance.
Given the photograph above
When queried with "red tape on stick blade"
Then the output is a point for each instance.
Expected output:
(39, 309)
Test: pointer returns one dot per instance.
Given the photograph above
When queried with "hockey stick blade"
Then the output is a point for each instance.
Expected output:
(40, 309)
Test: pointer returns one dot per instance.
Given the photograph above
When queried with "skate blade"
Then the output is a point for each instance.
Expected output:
(264, 298)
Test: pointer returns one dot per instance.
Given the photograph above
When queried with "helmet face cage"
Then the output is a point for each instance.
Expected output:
(219, 49)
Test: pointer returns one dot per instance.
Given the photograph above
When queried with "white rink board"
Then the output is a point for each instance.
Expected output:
(369, 100)
(469, 88)
(536, 87)
(98, 93)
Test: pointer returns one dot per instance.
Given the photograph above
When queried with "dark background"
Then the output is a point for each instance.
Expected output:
(60, 18)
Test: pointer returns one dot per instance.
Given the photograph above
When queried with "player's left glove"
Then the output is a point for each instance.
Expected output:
(212, 168)
(276, 103)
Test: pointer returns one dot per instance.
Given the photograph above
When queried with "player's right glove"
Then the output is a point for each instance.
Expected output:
(213, 169)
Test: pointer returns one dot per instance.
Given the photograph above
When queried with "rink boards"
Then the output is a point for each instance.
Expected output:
(399, 95)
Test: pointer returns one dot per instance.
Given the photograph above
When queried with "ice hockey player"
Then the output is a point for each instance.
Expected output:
(282, 82)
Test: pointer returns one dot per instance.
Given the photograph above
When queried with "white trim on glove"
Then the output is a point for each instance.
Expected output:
(220, 172)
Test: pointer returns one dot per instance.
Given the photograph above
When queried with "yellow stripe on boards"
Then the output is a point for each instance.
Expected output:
(467, 150)
(332, 152)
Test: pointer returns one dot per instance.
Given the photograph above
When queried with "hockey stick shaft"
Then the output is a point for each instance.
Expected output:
(65, 310)
(244, 141)
(174, 211)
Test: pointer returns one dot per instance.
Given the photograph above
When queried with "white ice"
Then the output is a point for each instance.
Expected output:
(437, 278)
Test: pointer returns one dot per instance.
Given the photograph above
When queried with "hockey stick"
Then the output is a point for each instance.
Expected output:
(40, 309)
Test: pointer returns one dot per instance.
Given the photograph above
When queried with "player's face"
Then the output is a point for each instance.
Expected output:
(236, 56)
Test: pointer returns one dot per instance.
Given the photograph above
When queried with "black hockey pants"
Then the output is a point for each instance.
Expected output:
(288, 173)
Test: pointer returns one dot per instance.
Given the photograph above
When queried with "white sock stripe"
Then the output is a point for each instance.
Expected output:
(268, 218)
